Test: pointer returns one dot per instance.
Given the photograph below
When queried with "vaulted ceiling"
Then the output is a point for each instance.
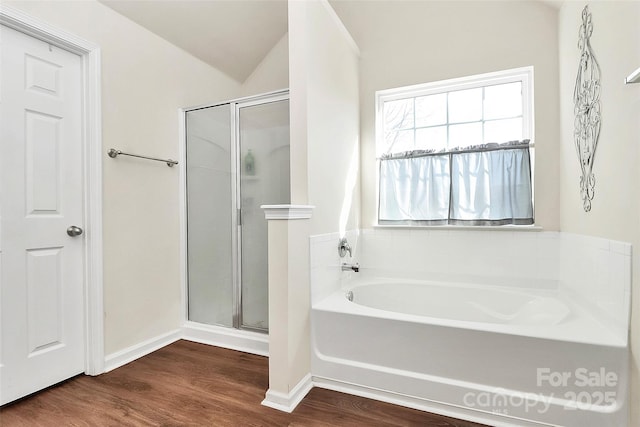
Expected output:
(231, 35)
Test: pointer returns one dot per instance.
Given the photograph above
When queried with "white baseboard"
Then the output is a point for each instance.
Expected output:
(246, 341)
(129, 354)
(459, 412)
(288, 402)
(234, 339)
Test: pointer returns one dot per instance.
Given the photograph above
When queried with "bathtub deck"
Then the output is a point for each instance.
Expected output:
(193, 384)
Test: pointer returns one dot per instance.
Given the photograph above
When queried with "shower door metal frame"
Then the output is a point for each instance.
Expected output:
(236, 241)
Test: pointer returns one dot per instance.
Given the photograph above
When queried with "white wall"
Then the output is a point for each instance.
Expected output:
(144, 82)
(615, 211)
(332, 125)
(272, 73)
(411, 42)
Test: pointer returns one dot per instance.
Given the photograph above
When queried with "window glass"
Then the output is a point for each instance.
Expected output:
(465, 135)
(433, 138)
(502, 101)
(431, 110)
(398, 114)
(453, 119)
(465, 105)
(503, 130)
(399, 141)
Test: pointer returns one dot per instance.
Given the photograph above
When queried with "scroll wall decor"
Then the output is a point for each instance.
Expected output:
(586, 101)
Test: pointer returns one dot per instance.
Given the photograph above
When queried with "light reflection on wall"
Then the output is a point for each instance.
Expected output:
(349, 189)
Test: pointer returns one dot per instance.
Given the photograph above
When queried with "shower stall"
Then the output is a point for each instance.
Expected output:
(237, 158)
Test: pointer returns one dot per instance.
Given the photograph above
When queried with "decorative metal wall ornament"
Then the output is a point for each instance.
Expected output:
(586, 101)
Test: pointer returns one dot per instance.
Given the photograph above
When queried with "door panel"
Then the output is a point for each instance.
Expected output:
(41, 187)
(44, 324)
(42, 76)
(42, 146)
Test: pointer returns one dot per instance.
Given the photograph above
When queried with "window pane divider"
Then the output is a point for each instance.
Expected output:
(458, 123)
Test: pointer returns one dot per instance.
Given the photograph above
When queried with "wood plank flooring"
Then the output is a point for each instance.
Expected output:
(190, 384)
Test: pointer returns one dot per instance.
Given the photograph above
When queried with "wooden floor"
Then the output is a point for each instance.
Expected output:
(189, 384)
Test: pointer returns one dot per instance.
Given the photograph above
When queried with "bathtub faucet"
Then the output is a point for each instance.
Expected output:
(344, 247)
(350, 267)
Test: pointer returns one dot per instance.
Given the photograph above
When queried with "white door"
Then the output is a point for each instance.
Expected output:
(41, 185)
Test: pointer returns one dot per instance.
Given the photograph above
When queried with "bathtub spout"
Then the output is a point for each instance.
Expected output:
(350, 267)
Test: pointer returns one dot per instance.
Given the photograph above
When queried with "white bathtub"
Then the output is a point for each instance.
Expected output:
(497, 355)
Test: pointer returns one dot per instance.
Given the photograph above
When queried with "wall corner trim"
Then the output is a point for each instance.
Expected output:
(280, 212)
(288, 402)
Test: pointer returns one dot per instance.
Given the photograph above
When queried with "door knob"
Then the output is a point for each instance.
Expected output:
(74, 231)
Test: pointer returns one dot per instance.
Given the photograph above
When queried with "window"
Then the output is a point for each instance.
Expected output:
(457, 151)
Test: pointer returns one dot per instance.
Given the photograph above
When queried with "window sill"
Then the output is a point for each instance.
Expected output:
(464, 227)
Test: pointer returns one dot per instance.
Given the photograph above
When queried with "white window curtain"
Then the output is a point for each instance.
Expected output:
(415, 189)
(485, 186)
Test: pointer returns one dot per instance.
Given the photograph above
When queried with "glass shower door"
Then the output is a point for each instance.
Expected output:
(210, 210)
(264, 180)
